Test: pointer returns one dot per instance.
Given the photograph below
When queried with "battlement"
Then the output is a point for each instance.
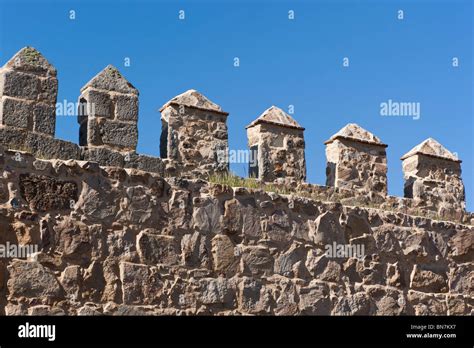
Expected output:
(194, 139)
(130, 242)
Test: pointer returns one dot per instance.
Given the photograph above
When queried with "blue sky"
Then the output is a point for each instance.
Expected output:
(282, 62)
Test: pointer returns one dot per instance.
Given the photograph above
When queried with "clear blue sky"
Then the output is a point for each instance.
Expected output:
(282, 62)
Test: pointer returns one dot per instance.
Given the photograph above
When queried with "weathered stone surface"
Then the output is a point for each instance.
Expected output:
(276, 142)
(232, 216)
(207, 215)
(223, 254)
(251, 296)
(275, 115)
(357, 226)
(461, 279)
(71, 281)
(44, 119)
(427, 304)
(15, 112)
(195, 250)
(74, 241)
(110, 79)
(314, 300)
(154, 249)
(194, 136)
(103, 156)
(40, 145)
(195, 99)
(99, 104)
(355, 132)
(327, 230)
(30, 60)
(141, 284)
(356, 304)
(88, 311)
(386, 300)
(427, 281)
(135, 243)
(217, 291)
(257, 260)
(28, 93)
(118, 135)
(433, 179)
(285, 262)
(432, 148)
(46, 147)
(32, 280)
(45, 193)
(143, 162)
(462, 245)
(19, 84)
(356, 160)
(126, 107)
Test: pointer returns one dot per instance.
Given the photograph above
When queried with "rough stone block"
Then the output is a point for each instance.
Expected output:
(50, 148)
(48, 90)
(119, 134)
(223, 254)
(19, 85)
(12, 138)
(44, 119)
(140, 283)
(143, 162)
(45, 193)
(99, 103)
(91, 133)
(31, 279)
(103, 156)
(154, 249)
(126, 107)
(15, 112)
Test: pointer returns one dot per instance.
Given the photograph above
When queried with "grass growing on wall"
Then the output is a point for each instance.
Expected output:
(234, 180)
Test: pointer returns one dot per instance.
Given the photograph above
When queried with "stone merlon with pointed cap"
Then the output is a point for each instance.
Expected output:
(30, 60)
(431, 147)
(276, 116)
(28, 91)
(356, 159)
(277, 147)
(433, 178)
(193, 99)
(194, 135)
(111, 80)
(354, 132)
(108, 112)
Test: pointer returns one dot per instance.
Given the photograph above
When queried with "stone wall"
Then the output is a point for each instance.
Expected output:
(194, 139)
(123, 241)
(119, 232)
